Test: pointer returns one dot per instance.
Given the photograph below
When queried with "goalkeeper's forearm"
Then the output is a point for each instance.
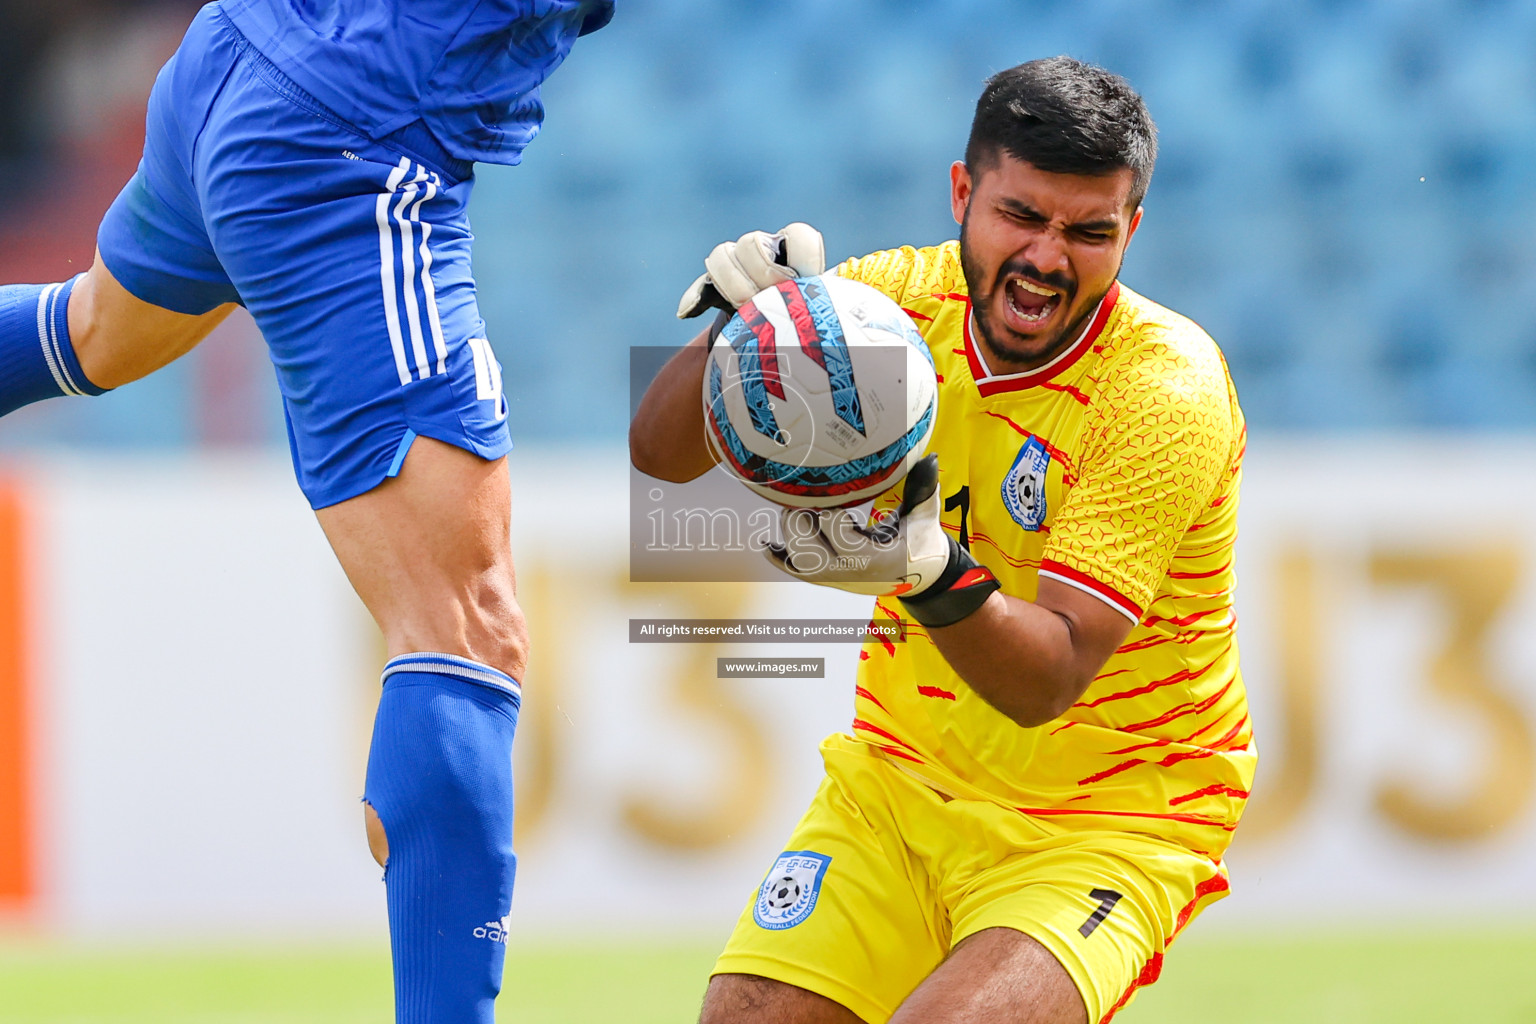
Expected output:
(1032, 659)
(666, 437)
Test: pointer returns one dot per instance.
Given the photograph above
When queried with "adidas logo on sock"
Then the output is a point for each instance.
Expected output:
(496, 931)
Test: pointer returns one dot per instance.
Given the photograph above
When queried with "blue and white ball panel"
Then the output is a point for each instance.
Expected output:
(353, 259)
(760, 383)
(820, 329)
(820, 392)
(790, 480)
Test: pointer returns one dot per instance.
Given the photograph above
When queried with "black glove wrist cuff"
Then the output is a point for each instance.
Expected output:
(963, 587)
(721, 319)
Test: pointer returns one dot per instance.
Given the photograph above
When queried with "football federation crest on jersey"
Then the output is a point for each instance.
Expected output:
(788, 894)
(1024, 486)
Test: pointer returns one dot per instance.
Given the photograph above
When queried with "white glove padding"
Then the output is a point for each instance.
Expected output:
(736, 271)
(907, 554)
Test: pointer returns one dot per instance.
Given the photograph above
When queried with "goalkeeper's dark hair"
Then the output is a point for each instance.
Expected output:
(1065, 117)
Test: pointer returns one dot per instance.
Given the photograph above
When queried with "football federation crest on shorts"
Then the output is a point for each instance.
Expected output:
(1024, 486)
(788, 894)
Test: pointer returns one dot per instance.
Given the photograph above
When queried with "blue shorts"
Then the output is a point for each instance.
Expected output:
(352, 256)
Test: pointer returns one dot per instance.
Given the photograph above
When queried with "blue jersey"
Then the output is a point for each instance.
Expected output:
(466, 71)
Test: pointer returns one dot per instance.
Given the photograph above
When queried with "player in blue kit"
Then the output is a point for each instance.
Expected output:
(312, 160)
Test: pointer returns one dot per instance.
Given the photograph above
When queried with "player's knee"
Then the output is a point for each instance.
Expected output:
(107, 355)
(510, 655)
(85, 333)
(378, 842)
(118, 338)
(500, 630)
(481, 621)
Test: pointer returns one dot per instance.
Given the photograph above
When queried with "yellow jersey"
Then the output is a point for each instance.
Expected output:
(1115, 469)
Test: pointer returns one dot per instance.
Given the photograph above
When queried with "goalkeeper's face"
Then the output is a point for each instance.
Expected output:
(1039, 251)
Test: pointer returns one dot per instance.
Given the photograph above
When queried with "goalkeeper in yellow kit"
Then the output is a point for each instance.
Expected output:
(1038, 786)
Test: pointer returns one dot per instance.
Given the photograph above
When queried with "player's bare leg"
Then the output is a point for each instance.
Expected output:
(452, 594)
(997, 976)
(749, 999)
(86, 335)
(429, 553)
(119, 338)
(448, 589)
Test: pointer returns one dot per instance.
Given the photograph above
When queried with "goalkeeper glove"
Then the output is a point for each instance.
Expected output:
(736, 271)
(906, 554)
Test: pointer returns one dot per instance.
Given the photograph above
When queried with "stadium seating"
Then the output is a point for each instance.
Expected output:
(1288, 215)
(1344, 196)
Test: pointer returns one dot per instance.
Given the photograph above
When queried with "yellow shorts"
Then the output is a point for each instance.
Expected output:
(883, 876)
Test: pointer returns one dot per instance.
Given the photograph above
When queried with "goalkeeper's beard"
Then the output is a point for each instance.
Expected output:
(1000, 358)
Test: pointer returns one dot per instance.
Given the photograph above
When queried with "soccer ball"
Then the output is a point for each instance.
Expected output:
(783, 893)
(819, 393)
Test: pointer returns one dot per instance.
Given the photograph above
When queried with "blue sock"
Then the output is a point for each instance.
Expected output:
(37, 360)
(440, 780)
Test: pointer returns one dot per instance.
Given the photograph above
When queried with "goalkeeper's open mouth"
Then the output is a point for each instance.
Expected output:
(1029, 306)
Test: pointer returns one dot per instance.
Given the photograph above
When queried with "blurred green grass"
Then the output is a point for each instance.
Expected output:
(1405, 977)
(1411, 975)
